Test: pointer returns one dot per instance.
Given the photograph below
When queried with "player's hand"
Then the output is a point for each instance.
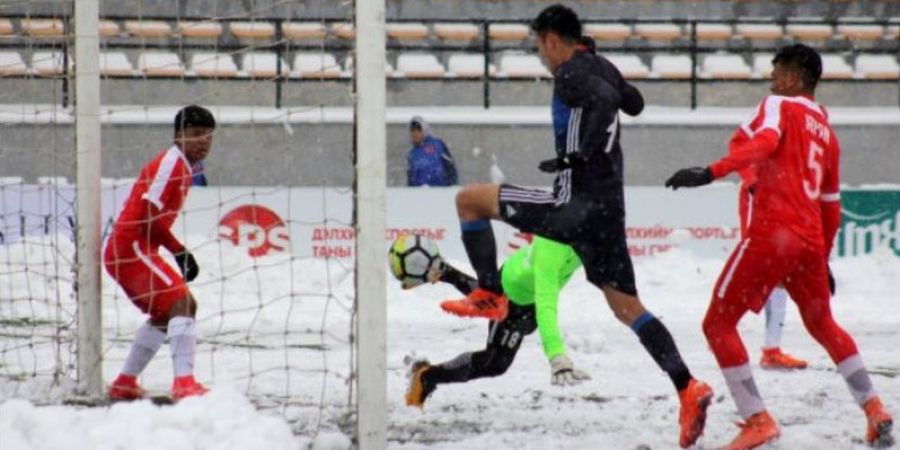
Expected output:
(187, 265)
(564, 373)
(690, 177)
(831, 284)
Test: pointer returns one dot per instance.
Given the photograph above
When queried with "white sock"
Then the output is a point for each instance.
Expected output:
(743, 390)
(147, 341)
(776, 307)
(854, 372)
(183, 340)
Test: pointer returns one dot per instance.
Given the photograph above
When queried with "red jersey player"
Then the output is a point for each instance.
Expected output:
(796, 213)
(132, 258)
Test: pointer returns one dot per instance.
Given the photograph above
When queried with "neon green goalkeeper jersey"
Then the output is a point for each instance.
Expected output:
(534, 275)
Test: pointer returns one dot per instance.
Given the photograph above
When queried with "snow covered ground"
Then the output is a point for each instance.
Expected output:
(275, 335)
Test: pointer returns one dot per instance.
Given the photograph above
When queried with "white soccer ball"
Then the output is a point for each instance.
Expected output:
(414, 260)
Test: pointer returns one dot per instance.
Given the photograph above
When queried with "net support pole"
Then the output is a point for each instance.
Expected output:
(371, 143)
(87, 162)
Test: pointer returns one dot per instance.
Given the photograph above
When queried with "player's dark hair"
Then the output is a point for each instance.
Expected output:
(415, 125)
(589, 43)
(558, 19)
(803, 59)
(194, 116)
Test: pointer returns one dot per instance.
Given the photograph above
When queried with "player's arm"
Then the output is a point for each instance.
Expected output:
(760, 142)
(577, 88)
(830, 199)
(547, 259)
(158, 231)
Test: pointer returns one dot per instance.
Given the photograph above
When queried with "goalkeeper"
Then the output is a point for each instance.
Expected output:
(532, 278)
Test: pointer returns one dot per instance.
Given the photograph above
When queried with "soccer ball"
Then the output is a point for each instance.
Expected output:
(414, 260)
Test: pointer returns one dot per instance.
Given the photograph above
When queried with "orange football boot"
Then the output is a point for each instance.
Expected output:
(759, 429)
(125, 388)
(774, 358)
(479, 303)
(879, 424)
(695, 398)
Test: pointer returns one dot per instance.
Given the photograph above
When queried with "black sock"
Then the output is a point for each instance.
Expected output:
(661, 346)
(481, 247)
(457, 370)
(462, 281)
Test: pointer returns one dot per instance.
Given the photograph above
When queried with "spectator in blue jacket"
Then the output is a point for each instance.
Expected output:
(429, 163)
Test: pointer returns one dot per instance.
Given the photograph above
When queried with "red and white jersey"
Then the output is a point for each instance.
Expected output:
(157, 196)
(796, 156)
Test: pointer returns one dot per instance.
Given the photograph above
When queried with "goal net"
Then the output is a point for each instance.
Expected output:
(274, 229)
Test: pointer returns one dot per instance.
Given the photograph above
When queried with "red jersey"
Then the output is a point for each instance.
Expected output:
(155, 199)
(796, 156)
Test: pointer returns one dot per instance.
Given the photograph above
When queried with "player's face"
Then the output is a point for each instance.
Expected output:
(416, 135)
(196, 143)
(545, 47)
(785, 81)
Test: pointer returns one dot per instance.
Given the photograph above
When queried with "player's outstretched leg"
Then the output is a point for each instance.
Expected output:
(720, 328)
(772, 356)
(504, 340)
(182, 331)
(476, 205)
(147, 341)
(813, 301)
(694, 395)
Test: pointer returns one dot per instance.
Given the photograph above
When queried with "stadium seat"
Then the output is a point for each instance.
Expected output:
(115, 64)
(809, 32)
(456, 31)
(630, 66)
(608, 31)
(508, 32)
(407, 31)
(108, 28)
(712, 31)
(725, 66)
(160, 64)
(217, 65)
(148, 28)
(861, 32)
(521, 65)
(348, 68)
(298, 31)
(878, 67)
(835, 67)
(11, 64)
(252, 30)
(468, 65)
(671, 66)
(762, 65)
(658, 31)
(316, 65)
(263, 65)
(42, 27)
(892, 31)
(759, 31)
(6, 27)
(200, 30)
(343, 30)
(419, 65)
(48, 63)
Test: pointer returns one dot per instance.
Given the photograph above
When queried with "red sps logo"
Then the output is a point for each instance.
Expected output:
(256, 227)
(520, 240)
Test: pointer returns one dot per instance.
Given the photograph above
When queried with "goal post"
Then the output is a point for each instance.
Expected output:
(369, 211)
(87, 161)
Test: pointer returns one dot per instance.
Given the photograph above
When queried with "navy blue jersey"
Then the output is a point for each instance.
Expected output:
(588, 92)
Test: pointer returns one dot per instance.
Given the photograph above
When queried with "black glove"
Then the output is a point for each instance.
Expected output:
(187, 265)
(690, 177)
(559, 163)
(831, 284)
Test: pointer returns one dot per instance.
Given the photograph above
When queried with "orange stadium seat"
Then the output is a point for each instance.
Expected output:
(759, 31)
(160, 64)
(658, 31)
(508, 32)
(108, 28)
(809, 32)
(11, 64)
(298, 31)
(608, 31)
(406, 31)
(713, 31)
(252, 30)
(148, 28)
(200, 30)
(42, 27)
(215, 65)
(861, 32)
(6, 27)
(456, 31)
(343, 30)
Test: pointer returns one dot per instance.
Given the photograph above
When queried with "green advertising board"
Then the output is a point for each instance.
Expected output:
(870, 221)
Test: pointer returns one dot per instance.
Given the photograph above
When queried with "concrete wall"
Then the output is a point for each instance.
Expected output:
(316, 155)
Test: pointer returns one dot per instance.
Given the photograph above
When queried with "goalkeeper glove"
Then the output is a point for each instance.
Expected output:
(559, 163)
(187, 265)
(564, 373)
(690, 177)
